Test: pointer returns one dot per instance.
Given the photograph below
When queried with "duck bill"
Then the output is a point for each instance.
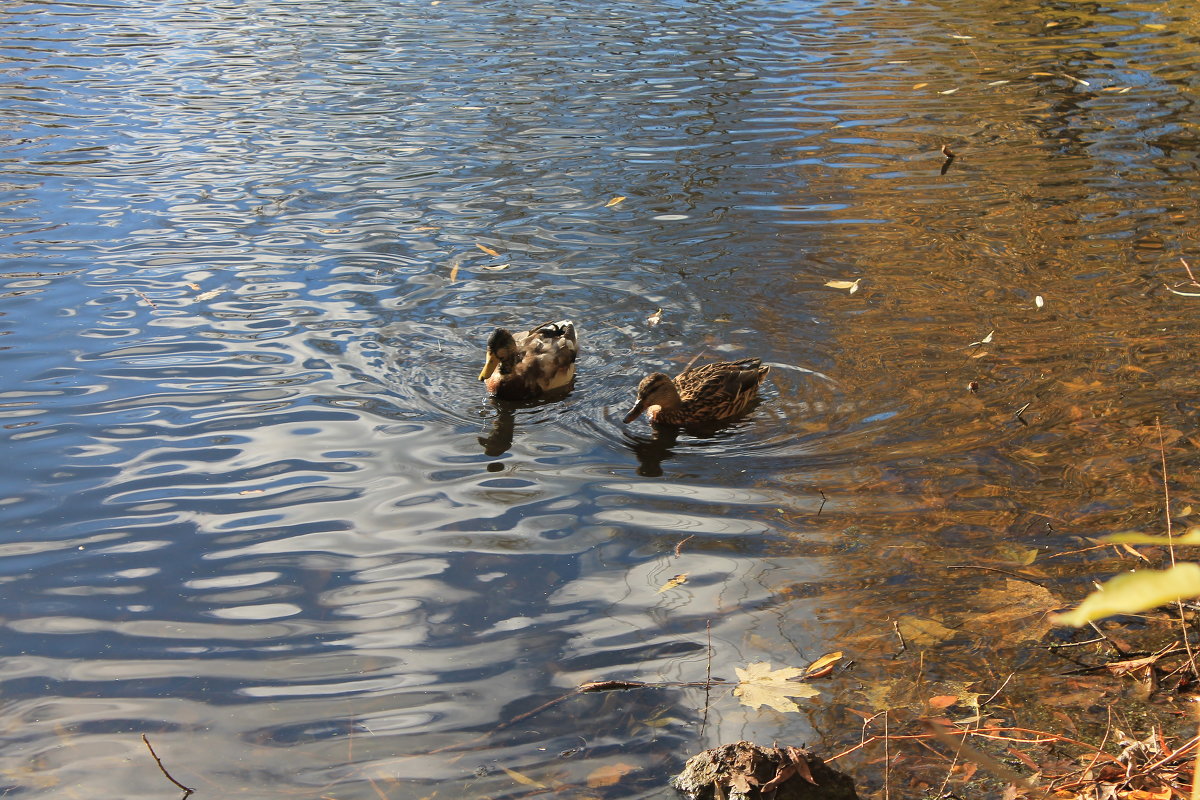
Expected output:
(636, 412)
(489, 367)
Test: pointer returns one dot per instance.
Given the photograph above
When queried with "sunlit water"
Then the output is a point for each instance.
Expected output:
(258, 508)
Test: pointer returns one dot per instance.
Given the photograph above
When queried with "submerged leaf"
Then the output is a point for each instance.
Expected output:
(609, 774)
(523, 779)
(1135, 592)
(759, 685)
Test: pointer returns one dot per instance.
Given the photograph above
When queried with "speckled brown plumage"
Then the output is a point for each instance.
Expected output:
(708, 393)
(532, 364)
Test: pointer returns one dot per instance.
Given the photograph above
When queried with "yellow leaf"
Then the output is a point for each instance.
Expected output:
(678, 580)
(487, 250)
(615, 201)
(759, 685)
(851, 285)
(454, 273)
(985, 340)
(920, 85)
(609, 774)
(823, 663)
(1155, 26)
(1135, 592)
(524, 779)
(950, 91)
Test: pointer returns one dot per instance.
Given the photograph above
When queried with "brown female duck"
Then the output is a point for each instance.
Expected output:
(708, 393)
(531, 364)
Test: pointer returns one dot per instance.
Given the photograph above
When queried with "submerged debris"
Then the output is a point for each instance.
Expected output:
(742, 770)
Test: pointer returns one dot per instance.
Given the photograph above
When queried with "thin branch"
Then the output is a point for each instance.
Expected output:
(187, 789)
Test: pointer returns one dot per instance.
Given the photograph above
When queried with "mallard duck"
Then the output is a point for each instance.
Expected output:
(529, 365)
(708, 393)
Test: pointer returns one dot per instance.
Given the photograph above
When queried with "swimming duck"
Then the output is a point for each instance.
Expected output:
(529, 365)
(708, 393)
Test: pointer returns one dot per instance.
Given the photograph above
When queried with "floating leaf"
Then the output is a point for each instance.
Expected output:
(759, 685)
(851, 285)
(495, 267)
(194, 287)
(1080, 81)
(654, 318)
(920, 85)
(999, 83)
(487, 249)
(609, 774)
(1135, 592)
(985, 340)
(1155, 26)
(950, 91)
(454, 273)
(615, 201)
(678, 580)
(209, 295)
(959, 36)
(823, 665)
(1038, 301)
(1182, 294)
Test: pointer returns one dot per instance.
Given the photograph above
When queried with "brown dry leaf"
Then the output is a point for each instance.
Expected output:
(923, 632)
(522, 778)
(615, 201)
(487, 249)
(609, 774)
(942, 701)
(823, 665)
(1020, 610)
(654, 318)
(495, 266)
(920, 85)
(454, 273)
(759, 685)
(195, 287)
(678, 580)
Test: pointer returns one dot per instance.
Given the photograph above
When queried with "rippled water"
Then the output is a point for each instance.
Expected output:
(259, 508)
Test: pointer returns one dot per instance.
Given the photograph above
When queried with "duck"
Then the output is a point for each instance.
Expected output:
(532, 364)
(704, 394)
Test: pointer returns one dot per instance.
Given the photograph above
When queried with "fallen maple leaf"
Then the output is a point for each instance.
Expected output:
(759, 685)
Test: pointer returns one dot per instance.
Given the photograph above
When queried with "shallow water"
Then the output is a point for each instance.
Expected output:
(260, 509)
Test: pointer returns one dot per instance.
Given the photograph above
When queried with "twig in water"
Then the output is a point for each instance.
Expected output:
(1162, 455)
(682, 542)
(998, 691)
(824, 500)
(187, 790)
(707, 677)
(900, 636)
